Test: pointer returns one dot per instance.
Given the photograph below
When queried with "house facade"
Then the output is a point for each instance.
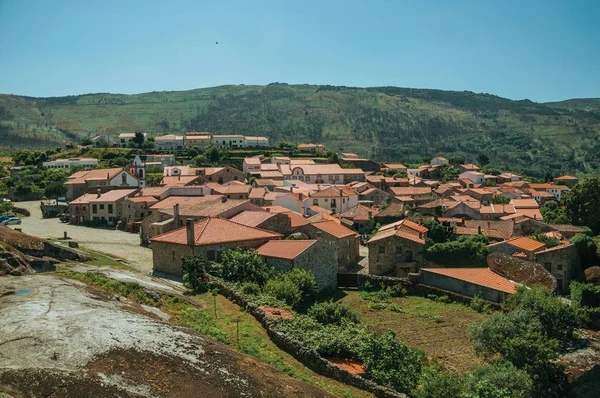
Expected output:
(343, 239)
(169, 142)
(88, 163)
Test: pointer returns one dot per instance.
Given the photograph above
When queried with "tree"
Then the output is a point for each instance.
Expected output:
(437, 233)
(500, 200)
(245, 266)
(583, 204)
(549, 241)
(85, 142)
(138, 139)
(194, 269)
(466, 251)
(332, 313)
(482, 159)
(5, 207)
(284, 289)
(588, 251)
(391, 363)
(306, 282)
(55, 190)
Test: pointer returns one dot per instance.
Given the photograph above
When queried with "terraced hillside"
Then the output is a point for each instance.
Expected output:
(386, 123)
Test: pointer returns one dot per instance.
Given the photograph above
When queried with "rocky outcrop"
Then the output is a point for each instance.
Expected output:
(521, 271)
(592, 275)
(13, 262)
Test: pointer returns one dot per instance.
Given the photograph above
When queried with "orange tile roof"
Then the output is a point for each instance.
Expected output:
(286, 249)
(252, 218)
(478, 276)
(97, 174)
(394, 166)
(83, 199)
(565, 177)
(168, 202)
(334, 192)
(335, 229)
(525, 204)
(214, 230)
(112, 196)
(536, 214)
(296, 218)
(143, 199)
(525, 243)
(409, 191)
(404, 229)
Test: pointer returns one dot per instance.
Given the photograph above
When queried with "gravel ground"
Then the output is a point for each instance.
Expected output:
(118, 243)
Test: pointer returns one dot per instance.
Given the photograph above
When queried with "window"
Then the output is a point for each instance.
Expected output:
(173, 254)
(110, 209)
(211, 255)
(559, 267)
(398, 250)
(94, 208)
(102, 206)
(381, 249)
(548, 267)
(330, 178)
(124, 178)
(84, 208)
(315, 202)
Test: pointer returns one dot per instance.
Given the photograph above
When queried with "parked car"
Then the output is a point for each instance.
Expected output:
(12, 220)
(6, 217)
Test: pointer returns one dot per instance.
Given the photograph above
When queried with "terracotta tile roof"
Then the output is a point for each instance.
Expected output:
(286, 249)
(83, 199)
(410, 191)
(490, 233)
(97, 174)
(143, 199)
(566, 177)
(405, 229)
(506, 228)
(296, 218)
(252, 218)
(393, 210)
(237, 189)
(178, 180)
(258, 193)
(531, 213)
(357, 213)
(253, 160)
(497, 210)
(394, 166)
(566, 227)
(214, 230)
(470, 166)
(520, 255)
(525, 243)
(525, 204)
(335, 229)
(271, 174)
(478, 276)
(334, 192)
(294, 162)
(112, 196)
(167, 203)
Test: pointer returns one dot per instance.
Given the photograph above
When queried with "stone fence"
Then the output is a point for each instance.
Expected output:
(307, 356)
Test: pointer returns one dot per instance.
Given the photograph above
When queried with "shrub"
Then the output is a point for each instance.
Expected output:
(378, 296)
(250, 288)
(306, 282)
(377, 306)
(284, 289)
(330, 312)
(466, 251)
(398, 291)
(245, 266)
(395, 308)
(438, 383)
(500, 379)
(443, 299)
(477, 304)
(391, 363)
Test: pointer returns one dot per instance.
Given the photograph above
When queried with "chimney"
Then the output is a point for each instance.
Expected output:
(319, 235)
(189, 229)
(535, 216)
(176, 214)
(223, 198)
(98, 192)
(268, 209)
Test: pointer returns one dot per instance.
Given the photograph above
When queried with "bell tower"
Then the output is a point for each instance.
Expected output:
(138, 169)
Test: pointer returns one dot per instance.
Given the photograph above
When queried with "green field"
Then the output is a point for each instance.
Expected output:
(384, 123)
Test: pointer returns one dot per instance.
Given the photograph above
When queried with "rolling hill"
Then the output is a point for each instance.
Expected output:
(385, 123)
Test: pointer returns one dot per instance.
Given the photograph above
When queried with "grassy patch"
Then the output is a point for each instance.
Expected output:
(101, 259)
(439, 329)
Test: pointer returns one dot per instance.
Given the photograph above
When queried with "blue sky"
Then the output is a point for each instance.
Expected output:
(544, 50)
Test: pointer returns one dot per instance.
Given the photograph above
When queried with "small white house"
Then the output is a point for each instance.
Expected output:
(251, 141)
(169, 142)
(228, 141)
(475, 176)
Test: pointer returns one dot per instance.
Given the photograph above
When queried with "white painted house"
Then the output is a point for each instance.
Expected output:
(88, 163)
(169, 142)
(474, 176)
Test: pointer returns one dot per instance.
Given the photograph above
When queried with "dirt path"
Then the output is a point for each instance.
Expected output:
(62, 338)
(121, 244)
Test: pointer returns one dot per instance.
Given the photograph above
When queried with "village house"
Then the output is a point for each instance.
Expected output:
(102, 140)
(297, 202)
(345, 240)
(208, 238)
(186, 175)
(169, 142)
(235, 191)
(125, 138)
(314, 256)
(88, 163)
(275, 222)
(555, 190)
(251, 165)
(397, 248)
(166, 159)
(135, 209)
(79, 209)
(508, 177)
(522, 247)
(256, 142)
(528, 208)
(335, 199)
(296, 219)
(493, 211)
(198, 140)
(89, 181)
(418, 194)
(474, 176)
(359, 218)
(313, 148)
(463, 168)
(485, 283)
(321, 173)
(563, 262)
(567, 180)
(228, 141)
(481, 194)
(393, 168)
(374, 196)
(106, 208)
(394, 212)
(438, 160)
(257, 195)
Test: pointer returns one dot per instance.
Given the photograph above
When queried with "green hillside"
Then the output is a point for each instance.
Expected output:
(385, 123)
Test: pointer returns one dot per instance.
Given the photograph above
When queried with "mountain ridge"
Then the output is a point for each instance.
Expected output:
(386, 123)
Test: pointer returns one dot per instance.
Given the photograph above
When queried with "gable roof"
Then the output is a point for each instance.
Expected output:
(478, 276)
(525, 243)
(566, 177)
(252, 218)
(357, 213)
(214, 230)
(112, 196)
(333, 228)
(405, 229)
(286, 249)
(409, 191)
(95, 174)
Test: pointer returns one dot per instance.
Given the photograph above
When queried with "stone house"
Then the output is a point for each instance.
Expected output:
(208, 238)
(473, 176)
(462, 209)
(235, 191)
(482, 282)
(88, 181)
(419, 194)
(335, 199)
(438, 160)
(79, 212)
(107, 207)
(257, 195)
(563, 262)
(569, 181)
(311, 255)
(375, 196)
(275, 222)
(520, 246)
(463, 168)
(136, 208)
(481, 194)
(397, 248)
(345, 240)
(359, 218)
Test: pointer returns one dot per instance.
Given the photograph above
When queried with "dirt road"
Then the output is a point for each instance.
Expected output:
(110, 241)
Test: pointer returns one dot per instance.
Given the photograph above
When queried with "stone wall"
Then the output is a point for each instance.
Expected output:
(279, 223)
(166, 257)
(322, 260)
(563, 262)
(347, 248)
(505, 247)
(392, 254)
(307, 356)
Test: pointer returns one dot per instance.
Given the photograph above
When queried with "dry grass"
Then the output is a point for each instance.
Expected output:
(441, 330)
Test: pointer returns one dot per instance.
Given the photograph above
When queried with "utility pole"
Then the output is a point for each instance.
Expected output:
(214, 293)
(237, 330)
